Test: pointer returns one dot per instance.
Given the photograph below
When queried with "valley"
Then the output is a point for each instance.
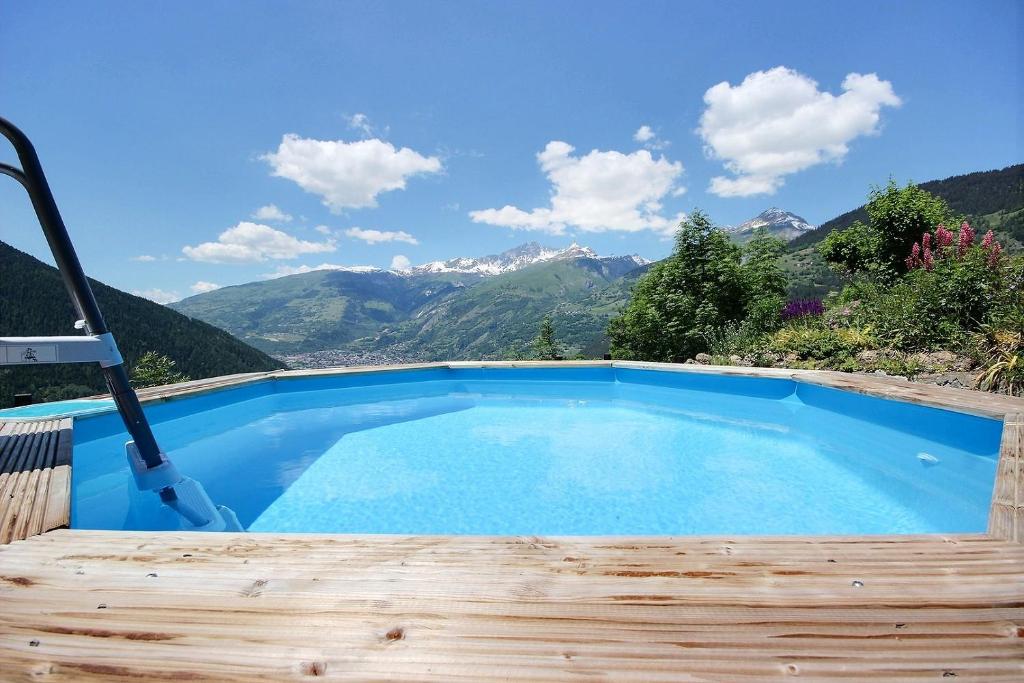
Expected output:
(490, 307)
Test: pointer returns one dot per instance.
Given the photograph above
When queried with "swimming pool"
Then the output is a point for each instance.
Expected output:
(553, 451)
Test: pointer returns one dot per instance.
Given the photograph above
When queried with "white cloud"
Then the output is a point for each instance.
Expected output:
(203, 286)
(643, 134)
(324, 230)
(400, 262)
(646, 136)
(777, 122)
(376, 236)
(145, 258)
(361, 122)
(347, 174)
(270, 212)
(282, 271)
(597, 192)
(159, 296)
(253, 242)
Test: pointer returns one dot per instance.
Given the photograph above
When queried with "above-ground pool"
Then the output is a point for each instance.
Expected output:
(552, 451)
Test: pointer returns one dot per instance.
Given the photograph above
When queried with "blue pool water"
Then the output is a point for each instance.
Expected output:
(58, 408)
(553, 451)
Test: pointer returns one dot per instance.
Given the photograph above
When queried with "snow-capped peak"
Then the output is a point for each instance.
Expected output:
(576, 251)
(779, 223)
(511, 260)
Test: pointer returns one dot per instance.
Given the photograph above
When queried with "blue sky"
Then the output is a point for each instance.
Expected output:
(427, 130)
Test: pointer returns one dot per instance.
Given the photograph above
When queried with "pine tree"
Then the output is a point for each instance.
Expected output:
(153, 370)
(544, 345)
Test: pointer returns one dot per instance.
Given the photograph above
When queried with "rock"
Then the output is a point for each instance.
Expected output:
(935, 360)
(735, 360)
(963, 364)
(868, 357)
(791, 358)
(703, 359)
(957, 380)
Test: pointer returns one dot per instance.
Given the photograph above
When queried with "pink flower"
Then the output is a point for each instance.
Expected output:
(993, 255)
(929, 261)
(966, 239)
(986, 241)
(914, 260)
(926, 240)
(943, 237)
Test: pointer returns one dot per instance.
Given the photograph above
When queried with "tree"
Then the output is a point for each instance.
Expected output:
(765, 283)
(544, 345)
(153, 370)
(897, 217)
(682, 303)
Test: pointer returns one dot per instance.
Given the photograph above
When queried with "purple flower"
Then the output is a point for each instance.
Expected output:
(802, 308)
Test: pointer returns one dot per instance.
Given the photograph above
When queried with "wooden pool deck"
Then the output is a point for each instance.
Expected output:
(108, 605)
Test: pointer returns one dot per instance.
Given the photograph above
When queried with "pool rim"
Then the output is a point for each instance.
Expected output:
(1006, 508)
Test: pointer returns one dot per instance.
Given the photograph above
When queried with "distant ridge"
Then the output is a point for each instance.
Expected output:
(972, 194)
(33, 301)
(508, 261)
(465, 307)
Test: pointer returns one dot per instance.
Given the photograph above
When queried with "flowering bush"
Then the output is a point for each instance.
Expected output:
(803, 308)
(922, 255)
(951, 287)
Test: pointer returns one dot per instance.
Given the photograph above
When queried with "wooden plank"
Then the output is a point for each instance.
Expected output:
(35, 477)
(1006, 519)
(77, 605)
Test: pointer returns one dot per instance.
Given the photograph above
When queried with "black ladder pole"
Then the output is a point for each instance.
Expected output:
(34, 180)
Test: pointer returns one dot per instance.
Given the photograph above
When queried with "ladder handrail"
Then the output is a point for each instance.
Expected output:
(151, 468)
(31, 176)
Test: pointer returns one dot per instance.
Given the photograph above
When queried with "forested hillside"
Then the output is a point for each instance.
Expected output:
(990, 200)
(33, 301)
(973, 195)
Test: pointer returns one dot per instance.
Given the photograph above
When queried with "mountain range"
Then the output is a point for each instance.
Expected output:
(485, 307)
(460, 308)
(491, 306)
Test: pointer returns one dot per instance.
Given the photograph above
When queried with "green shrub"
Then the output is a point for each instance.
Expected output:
(680, 305)
(709, 295)
(897, 216)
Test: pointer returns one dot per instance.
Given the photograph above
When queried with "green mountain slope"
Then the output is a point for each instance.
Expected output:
(324, 309)
(33, 301)
(499, 317)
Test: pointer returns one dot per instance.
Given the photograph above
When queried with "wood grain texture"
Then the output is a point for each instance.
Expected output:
(1006, 519)
(96, 606)
(35, 477)
(82, 605)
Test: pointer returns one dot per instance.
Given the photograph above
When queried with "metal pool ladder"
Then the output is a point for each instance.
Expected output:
(151, 468)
